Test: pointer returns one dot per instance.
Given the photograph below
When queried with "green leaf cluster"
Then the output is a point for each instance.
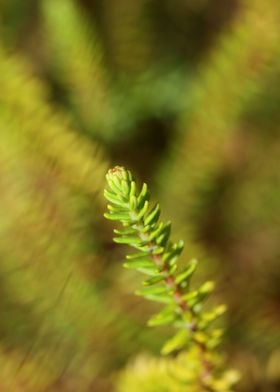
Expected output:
(166, 374)
(156, 256)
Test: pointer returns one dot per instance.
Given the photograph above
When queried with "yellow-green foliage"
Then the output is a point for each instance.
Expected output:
(178, 374)
(185, 89)
(78, 60)
(130, 32)
(107, 104)
(225, 84)
(49, 302)
(24, 107)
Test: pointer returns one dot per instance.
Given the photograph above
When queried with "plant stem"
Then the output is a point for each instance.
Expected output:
(179, 300)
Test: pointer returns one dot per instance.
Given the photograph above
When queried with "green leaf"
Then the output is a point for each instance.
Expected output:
(205, 290)
(143, 196)
(166, 316)
(163, 298)
(187, 273)
(112, 185)
(115, 182)
(112, 198)
(155, 231)
(153, 272)
(144, 248)
(220, 309)
(154, 280)
(200, 337)
(125, 187)
(145, 229)
(157, 250)
(195, 297)
(191, 298)
(132, 202)
(129, 240)
(160, 233)
(125, 231)
(143, 258)
(209, 317)
(173, 252)
(214, 338)
(117, 210)
(143, 210)
(177, 342)
(138, 255)
(153, 215)
(132, 189)
(141, 264)
(151, 290)
(163, 238)
(119, 217)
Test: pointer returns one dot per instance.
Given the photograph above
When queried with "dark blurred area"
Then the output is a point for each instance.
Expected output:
(186, 94)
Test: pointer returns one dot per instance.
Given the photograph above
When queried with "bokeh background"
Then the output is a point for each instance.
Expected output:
(185, 93)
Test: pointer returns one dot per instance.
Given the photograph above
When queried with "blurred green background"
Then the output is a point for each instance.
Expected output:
(186, 94)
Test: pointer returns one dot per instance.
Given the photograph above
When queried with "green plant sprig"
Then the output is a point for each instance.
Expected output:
(156, 257)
